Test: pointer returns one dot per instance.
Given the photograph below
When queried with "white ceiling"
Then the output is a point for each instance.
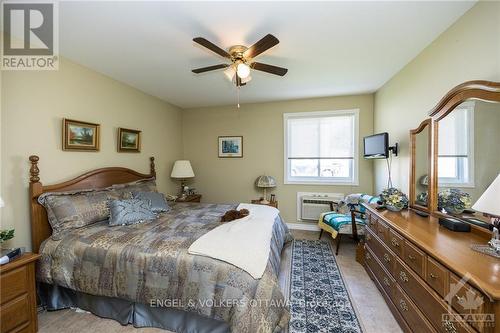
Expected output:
(330, 48)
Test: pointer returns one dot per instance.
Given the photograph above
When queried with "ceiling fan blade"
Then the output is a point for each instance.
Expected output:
(211, 46)
(209, 68)
(269, 68)
(262, 45)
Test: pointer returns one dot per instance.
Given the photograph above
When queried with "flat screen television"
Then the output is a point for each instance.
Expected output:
(376, 146)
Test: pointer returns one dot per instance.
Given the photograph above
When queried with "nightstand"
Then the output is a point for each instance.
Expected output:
(271, 203)
(18, 296)
(190, 198)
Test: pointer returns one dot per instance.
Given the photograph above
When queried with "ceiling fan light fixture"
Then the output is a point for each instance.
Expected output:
(230, 72)
(243, 70)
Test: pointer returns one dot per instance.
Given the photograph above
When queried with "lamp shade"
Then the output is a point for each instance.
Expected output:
(489, 202)
(182, 169)
(265, 181)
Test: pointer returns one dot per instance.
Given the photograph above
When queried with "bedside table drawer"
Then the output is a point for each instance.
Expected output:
(15, 313)
(14, 283)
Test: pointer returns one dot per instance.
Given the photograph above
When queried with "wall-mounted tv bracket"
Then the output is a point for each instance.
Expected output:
(394, 149)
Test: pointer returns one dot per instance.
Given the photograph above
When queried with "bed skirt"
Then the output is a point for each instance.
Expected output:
(126, 312)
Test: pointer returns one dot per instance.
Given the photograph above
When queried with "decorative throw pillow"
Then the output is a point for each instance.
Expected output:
(76, 209)
(142, 185)
(130, 211)
(158, 202)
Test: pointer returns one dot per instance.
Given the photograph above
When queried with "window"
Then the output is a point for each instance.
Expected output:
(321, 147)
(456, 147)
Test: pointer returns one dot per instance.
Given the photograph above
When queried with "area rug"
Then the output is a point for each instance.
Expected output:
(319, 301)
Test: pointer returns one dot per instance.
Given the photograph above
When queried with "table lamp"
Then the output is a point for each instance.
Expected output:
(265, 182)
(489, 205)
(182, 170)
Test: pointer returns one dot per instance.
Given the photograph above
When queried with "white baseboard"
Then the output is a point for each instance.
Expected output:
(303, 226)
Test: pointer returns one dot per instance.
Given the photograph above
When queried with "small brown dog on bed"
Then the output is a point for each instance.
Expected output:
(234, 214)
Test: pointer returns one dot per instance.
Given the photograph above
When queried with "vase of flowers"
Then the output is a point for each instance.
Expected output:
(5, 235)
(422, 198)
(393, 199)
(454, 201)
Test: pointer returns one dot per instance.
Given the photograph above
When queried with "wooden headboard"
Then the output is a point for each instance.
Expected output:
(99, 178)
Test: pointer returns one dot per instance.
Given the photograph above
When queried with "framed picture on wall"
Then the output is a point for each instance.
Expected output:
(129, 140)
(80, 135)
(230, 146)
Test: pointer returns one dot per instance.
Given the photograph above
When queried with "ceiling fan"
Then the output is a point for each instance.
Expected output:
(241, 58)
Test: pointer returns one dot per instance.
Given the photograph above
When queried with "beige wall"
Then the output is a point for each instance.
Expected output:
(33, 105)
(468, 50)
(261, 125)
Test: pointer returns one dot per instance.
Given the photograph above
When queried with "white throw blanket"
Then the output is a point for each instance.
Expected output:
(244, 243)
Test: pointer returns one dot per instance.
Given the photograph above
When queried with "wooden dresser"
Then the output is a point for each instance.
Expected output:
(418, 266)
(18, 295)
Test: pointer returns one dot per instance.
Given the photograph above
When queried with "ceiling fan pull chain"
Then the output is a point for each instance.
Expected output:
(238, 93)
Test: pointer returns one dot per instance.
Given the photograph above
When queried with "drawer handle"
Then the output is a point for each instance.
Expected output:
(387, 258)
(412, 258)
(368, 237)
(449, 327)
(402, 305)
(386, 281)
(433, 276)
(395, 242)
(460, 299)
(368, 256)
(403, 277)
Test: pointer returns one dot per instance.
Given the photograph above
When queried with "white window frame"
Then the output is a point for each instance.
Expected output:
(458, 181)
(322, 180)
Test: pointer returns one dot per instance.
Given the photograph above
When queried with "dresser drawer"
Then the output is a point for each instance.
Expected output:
(14, 283)
(383, 231)
(432, 306)
(372, 222)
(396, 242)
(461, 294)
(385, 256)
(437, 276)
(412, 315)
(15, 313)
(414, 258)
(385, 279)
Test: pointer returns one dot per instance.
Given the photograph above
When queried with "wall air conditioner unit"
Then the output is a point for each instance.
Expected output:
(312, 206)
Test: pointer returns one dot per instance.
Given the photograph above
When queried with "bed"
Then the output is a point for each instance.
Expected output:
(142, 274)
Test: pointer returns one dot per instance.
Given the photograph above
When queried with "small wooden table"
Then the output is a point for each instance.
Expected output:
(190, 198)
(18, 295)
(271, 203)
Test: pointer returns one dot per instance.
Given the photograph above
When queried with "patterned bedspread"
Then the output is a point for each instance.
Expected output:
(149, 263)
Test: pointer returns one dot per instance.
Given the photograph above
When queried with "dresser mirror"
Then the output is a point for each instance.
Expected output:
(420, 152)
(466, 150)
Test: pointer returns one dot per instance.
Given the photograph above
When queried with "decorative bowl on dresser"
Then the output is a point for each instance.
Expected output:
(18, 295)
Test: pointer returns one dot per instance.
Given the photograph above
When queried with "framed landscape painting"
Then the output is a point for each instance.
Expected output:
(129, 140)
(80, 135)
(230, 146)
